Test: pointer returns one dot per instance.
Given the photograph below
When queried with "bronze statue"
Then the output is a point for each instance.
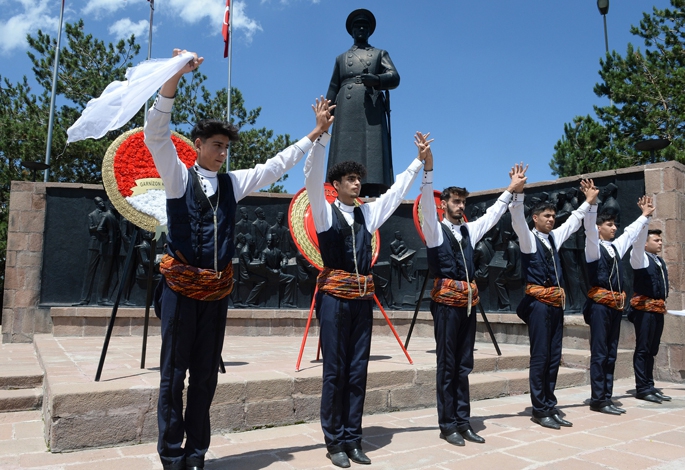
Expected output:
(361, 131)
(274, 260)
(251, 271)
(260, 228)
(110, 236)
(94, 219)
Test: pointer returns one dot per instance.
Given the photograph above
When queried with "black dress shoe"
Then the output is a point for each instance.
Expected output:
(470, 435)
(455, 439)
(289, 306)
(561, 421)
(662, 396)
(339, 459)
(358, 456)
(105, 303)
(649, 397)
(546, 422)
(620, 410)
(606, 409)
(80, 304)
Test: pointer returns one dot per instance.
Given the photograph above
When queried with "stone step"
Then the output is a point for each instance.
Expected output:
(260, 388)
(21, 400)
(19, 367)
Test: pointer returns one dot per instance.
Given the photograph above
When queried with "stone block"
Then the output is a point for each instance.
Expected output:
(307, 407)
(282, 327)
(269, 413)
(674, 330)
(675, 301)
(518, 382)
(416, 396)
(31, 222)
(227, 417)
(29, 258)
(667, 207)
(425, 375)
(69, 400)
(570, 378)
(389, 379)
(486, 386)
(17, 241)
(35, 242)
(376, 401)
(10, 259)
(229, 390)
(273, 386)
(42, 322)
(27, 297)
(653, 181)
(307, 385)
(21, 201)
(38, 202)
(484, 364)
(512, 362)
(67, 326)
(22, 186)
(149, 431)
(8, 299)
(673, 179)
(93, 430)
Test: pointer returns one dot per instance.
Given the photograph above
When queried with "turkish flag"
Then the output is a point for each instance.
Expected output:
(224, 29)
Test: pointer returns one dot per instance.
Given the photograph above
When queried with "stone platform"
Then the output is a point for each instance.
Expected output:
(261, 387)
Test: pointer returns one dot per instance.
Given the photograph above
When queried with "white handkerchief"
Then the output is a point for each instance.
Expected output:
(121, 100)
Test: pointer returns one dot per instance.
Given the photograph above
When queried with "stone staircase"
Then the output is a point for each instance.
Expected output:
(21, 378)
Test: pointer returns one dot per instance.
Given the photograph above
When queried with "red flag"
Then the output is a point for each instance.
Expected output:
(224, 29)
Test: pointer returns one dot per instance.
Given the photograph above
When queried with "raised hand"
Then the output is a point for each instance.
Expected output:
(646, 205)
(322, 110)
(587, 186)
(424, 145)
(518, 178)
(192, 63)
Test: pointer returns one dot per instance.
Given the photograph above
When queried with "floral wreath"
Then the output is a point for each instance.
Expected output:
(131, 179)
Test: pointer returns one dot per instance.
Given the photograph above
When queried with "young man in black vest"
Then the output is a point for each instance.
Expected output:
(542, 308)
(454, 297)
(192, 297)
(606, 298)
(647, 310)
(344, 301)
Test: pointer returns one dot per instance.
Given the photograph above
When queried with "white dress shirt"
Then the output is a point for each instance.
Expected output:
(175, 174)
(621, 244)
(375, 212)
(477, 229)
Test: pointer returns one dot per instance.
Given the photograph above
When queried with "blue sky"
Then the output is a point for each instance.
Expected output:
(493, 81)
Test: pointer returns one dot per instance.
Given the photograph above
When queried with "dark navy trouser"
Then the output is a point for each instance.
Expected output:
(345, 331)
(192, 339)
(545, 330)
(455, 335)
(648, 329)
(605, 327)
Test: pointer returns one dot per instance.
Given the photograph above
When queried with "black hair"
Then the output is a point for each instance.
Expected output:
(654, 231)
(341, 169)
(543, 206)
(207, 128)
(447, 193)
(605, 217)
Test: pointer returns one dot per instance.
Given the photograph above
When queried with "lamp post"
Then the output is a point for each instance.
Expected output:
(603, 7)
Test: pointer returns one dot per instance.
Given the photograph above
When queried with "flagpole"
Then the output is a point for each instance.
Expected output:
(149, 53)
(230, 58)
(52, 97)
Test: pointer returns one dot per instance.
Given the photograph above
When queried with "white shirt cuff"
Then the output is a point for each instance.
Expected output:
(506, 197)
(164, 104)
(427, 177)
(517, 197)
(323, 139)
(593, 208)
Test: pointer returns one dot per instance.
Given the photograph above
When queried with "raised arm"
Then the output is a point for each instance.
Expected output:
(563, 232)
(480, 227)
(380, 210)
(158, 134)
(638, 257)
(246, 181)
(430, 225)
(632, 231)
(314, 174)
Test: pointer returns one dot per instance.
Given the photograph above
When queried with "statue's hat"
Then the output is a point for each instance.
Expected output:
(361, 13)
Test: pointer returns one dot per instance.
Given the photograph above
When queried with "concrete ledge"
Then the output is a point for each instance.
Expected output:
(21, 400)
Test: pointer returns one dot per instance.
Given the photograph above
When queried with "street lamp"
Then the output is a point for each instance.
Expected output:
(603, 7)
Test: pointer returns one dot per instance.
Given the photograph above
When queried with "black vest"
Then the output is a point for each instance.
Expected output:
(190, 224)
(649, 281)
(606, 272)
(336, 243)
(445, 260)
(538, 267)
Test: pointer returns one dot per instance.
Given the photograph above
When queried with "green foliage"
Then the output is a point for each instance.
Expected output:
(646, 91)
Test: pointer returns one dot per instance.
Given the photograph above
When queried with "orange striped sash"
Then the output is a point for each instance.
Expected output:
(344, 285)
(648, 304)
(554, 296)
(196, 283)
(454, 293)
(606, 297)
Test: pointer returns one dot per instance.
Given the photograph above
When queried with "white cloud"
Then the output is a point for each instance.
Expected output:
(30, 17)
(99, 7)
(123, 29)
(194, 11)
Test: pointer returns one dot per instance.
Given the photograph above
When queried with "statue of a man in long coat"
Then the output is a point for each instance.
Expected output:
(361, 131)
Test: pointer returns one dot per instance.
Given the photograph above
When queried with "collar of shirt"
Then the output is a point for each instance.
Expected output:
(608, 246)
(455, 228)
(654, 257)
(347, 211)
(208, 179)
(544, 238)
